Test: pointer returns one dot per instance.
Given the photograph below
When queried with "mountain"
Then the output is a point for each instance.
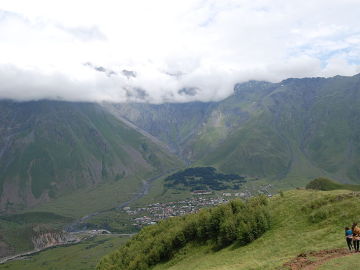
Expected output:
(294, 130)
(87, 159)
(175, 124)
(286, 133)
(304, 127)
(49, 148)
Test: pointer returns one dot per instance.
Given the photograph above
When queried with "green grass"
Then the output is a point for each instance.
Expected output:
(113, 220)
(345, 263)
(88, 200)
(82, 256)
(159, 193)
(35, 218)
(297, 228)
(256, 149)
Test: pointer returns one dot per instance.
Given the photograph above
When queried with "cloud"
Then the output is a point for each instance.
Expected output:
(84, 33)
(169, 51)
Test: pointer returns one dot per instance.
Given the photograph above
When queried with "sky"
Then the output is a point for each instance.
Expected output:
(169, 50)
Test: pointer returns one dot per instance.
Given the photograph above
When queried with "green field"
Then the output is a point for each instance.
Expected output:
(89, 200)
(82, 256)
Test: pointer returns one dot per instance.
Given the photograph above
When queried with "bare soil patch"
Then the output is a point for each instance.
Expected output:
(312, 260)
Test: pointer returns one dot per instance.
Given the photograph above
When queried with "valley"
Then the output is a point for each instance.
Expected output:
(79, 167)
(179, 135)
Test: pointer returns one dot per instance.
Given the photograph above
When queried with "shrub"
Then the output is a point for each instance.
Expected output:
(323, 184)
(221, 225)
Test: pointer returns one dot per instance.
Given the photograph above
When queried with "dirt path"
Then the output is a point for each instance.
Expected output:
(312, 260)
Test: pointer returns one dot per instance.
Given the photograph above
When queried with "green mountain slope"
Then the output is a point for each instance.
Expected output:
(302, 221)
(172, 123)
(294, 130)
(49, 148)
(193, 129)
(303, 128)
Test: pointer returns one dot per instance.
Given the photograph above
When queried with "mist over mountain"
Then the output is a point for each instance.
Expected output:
(190, 50)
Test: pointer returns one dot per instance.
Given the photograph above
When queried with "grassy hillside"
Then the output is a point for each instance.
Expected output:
(215, 226)
(103, 196)
(50, 148)
(171, 123)
(302, 221)
(299, 129)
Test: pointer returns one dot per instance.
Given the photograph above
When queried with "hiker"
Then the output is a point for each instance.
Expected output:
(349, 237)
(356, 236)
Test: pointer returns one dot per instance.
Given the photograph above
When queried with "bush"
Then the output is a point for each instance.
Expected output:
(323, 184)
(221, 225)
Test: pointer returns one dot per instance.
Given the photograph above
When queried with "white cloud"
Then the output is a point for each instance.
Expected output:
(207, 45)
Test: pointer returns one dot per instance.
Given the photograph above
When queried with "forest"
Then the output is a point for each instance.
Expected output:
(204, 178)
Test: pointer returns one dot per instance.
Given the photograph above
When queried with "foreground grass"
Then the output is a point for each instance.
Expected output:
(345, 263)
(296, 228)
(82, 256)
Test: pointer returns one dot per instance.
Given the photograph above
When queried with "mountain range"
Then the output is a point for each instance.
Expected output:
(285, 133)
(292, 131)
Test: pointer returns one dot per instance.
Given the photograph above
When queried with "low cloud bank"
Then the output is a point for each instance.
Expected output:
(169, 51)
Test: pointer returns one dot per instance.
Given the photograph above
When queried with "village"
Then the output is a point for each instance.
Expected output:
(152, 213)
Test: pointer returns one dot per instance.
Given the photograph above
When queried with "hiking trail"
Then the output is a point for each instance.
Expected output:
(314, 259)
